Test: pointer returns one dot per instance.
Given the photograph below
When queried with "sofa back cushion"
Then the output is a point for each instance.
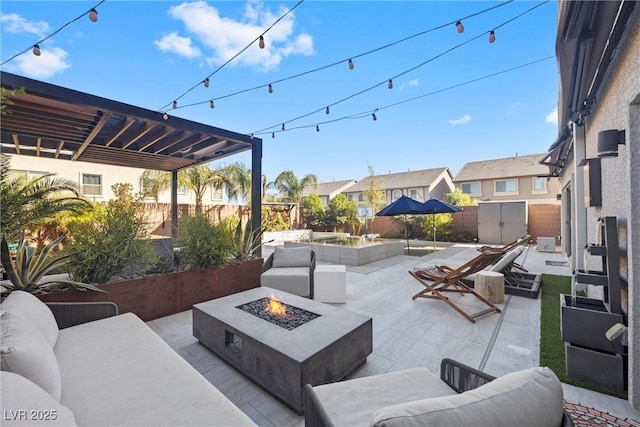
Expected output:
(25, 351)
(36, 310)
(25, 404)
(292, 257)
(532, 397)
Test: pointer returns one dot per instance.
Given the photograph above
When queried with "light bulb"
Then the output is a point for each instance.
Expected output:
(211, 104)
(261, 42)
(93, 15)
(283, 126)
(36, 50)
(270, 88)
(251, 136)
(175, 104)
(206, 82)
(492, 36)
(374, 117)
(317, 128)
(165, 116)
(327, 110)
(351, 66)
(273, 134)
(460, 27)
(390, 84)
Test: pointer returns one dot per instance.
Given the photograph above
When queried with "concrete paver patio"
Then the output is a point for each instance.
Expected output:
(406, 334)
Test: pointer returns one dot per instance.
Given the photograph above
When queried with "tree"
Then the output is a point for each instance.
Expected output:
(313, 210)
(342, 212)
(238, 177)
(28, 202)
(374, 194)
(458, 198)
(291, 188)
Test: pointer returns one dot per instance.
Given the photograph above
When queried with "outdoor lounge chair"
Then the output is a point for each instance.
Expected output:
(524, 240)
(290, 270)
(440, 279)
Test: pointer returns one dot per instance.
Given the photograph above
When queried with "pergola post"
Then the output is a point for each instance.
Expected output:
(256, 186)
(174, 203)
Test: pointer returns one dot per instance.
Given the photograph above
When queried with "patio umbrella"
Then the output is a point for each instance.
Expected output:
(404, 206)
(435, 206)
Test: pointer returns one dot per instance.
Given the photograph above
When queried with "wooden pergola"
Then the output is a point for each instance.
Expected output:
(51, 121)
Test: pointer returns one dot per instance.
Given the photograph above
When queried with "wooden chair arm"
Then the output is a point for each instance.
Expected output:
(69, 314)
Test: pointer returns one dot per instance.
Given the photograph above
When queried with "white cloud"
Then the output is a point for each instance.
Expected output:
(177, 44)
(462, 120)
(410, 83)
(225, 37)
(51, 61)
(14, 23)
(552, 117)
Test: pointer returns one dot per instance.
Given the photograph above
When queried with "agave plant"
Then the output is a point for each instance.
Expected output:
(248, 240)
(28, 268)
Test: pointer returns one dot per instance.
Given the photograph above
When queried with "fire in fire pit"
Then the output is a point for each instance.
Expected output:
(278, 313)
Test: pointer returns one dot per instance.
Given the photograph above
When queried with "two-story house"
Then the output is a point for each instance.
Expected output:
(328, 190)
(420, 185)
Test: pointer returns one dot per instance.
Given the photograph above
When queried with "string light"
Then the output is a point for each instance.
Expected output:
(492, 36)
(351, 66)
(317, 128)
(175, 104)
(374, 117)
(273, 134)
(93, 15)
(283, 126)
(206, 82)
(32, 47)
(211, 105)
(36, 50)
(459, 27)
(270, 88)
(327, 110)
(261, 42)
(165, 116)
(390, 84)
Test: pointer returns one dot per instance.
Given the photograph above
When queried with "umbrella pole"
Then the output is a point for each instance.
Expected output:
(433, 217)
(406, 230)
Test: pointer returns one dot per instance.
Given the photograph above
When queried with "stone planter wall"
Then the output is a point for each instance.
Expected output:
(160, 295)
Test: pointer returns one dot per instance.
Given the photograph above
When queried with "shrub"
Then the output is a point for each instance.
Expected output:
(203, 243)
(275, 218)
(110, 239)
(313, 210)
(443, 223)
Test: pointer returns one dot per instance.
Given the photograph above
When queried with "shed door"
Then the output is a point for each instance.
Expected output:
(514, 221)
(489, 218)
(501, 223)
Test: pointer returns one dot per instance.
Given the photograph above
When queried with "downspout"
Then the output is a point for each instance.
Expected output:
(579, 209)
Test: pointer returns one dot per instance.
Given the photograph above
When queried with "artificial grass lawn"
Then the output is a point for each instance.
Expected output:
(551, 344)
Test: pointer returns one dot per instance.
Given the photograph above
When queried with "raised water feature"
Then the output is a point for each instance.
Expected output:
(350, 250)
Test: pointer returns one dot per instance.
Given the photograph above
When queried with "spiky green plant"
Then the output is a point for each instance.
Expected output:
(248, 240)
(28, 268)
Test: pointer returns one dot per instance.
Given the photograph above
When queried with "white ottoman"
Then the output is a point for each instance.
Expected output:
(330, 283)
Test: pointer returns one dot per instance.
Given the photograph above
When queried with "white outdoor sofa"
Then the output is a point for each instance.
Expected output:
(114, 371)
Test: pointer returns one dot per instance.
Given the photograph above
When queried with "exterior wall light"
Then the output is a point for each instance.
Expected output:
(608, 141)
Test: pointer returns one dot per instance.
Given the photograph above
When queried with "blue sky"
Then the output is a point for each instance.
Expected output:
(148, 53)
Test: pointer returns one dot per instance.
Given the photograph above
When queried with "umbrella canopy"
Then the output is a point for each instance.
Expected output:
(404, 206)
(435, 206)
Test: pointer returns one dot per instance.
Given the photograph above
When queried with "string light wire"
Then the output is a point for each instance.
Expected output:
(342, 61)
(236, 55)
(385, 81)
(52, 34)
(368, 113)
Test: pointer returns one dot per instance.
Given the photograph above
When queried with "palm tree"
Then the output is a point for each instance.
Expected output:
(291, 188)
(197, 179)
(239, 183)
(28, 202)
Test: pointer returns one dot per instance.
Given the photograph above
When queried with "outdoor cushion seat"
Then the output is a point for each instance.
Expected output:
(290, 270)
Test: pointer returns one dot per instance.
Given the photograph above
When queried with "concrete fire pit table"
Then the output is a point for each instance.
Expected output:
(324, 350)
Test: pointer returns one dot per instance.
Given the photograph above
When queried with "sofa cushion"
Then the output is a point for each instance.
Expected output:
(36, 310)
(25, 351)
(353, 402)
(118, 372)
(295, 280)
(23, 403)
(531, 397)
(291, 257)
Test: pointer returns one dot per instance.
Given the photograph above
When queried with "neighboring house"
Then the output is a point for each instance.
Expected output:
(328, 190)
(597, 154)
(512, 178)
(420, 185)
(95, 180)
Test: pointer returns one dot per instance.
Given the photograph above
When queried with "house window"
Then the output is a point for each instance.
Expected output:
(182, 189)
(395, 195)
(15, 173)
(506, 186)
(539, 185)
(350, 196)
(471, 188)
(416, 194)
(216, 194)
(361, 197)
(91, 184)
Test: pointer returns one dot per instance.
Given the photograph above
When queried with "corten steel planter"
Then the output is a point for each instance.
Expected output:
(154, 296)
